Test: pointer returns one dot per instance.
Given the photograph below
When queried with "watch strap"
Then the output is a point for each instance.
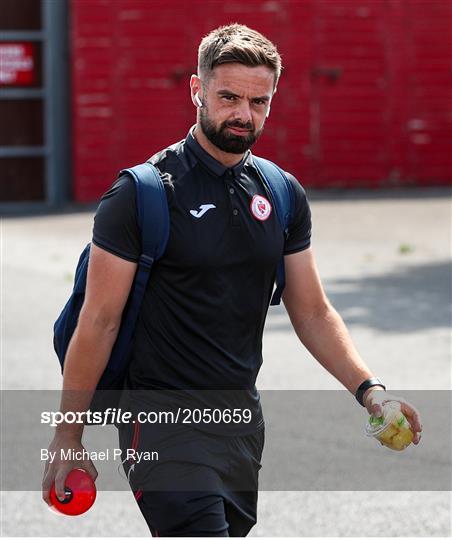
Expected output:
(368, 383)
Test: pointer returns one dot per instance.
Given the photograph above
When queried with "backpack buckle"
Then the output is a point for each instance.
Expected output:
(146, 262)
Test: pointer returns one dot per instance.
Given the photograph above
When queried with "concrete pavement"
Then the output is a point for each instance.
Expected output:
(385, 264)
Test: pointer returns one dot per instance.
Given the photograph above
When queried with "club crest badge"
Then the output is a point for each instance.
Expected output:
(260, 208)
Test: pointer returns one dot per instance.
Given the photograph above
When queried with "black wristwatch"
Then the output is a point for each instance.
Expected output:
(368, 383)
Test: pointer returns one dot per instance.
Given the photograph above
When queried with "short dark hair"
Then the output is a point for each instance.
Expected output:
(237, 43)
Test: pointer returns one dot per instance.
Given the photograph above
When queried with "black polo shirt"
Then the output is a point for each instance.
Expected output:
(203, 315)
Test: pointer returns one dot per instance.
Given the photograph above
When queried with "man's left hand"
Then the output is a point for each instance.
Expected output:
(376, 397)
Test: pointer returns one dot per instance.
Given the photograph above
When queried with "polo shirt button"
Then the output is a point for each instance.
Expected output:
(235, 212)
(231, 191)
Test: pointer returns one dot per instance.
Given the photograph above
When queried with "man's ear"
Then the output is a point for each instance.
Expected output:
(195, 89)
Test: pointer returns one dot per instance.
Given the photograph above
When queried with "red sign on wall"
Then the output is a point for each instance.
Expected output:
(17, 64)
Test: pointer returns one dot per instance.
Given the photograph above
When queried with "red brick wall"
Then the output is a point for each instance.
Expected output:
(363, 101)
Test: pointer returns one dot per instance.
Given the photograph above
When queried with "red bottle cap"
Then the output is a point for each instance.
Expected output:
(80, 493)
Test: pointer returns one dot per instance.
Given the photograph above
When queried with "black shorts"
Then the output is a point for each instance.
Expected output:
(200, 485)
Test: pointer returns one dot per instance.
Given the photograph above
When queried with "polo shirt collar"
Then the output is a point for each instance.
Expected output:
(210, 162)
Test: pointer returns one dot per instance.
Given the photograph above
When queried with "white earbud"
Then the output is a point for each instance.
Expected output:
(198, 101)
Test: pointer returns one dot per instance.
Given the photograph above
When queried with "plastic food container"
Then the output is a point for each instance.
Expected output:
(392, 429)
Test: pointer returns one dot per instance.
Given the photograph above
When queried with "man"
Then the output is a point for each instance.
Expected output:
(201, 323)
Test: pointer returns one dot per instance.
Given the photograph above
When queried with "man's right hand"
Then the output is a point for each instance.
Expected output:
(59, 469)
(86, 357)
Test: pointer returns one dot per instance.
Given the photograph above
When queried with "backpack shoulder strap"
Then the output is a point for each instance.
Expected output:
(280, 188)
(153, 220)
(282, 194)
(152, 209)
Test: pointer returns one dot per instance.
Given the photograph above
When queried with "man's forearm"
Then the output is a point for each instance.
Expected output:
(86, 358)
(328, 340)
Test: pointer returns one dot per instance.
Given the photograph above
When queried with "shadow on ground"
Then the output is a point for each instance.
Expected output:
(380, 193)
(410, 299)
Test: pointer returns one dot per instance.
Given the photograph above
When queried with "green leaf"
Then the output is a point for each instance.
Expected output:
(404, 249)
(373, 421)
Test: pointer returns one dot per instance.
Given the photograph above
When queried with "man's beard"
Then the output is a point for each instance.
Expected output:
(227, 141)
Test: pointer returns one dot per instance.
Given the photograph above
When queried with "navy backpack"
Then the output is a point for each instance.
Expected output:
(153, 220)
